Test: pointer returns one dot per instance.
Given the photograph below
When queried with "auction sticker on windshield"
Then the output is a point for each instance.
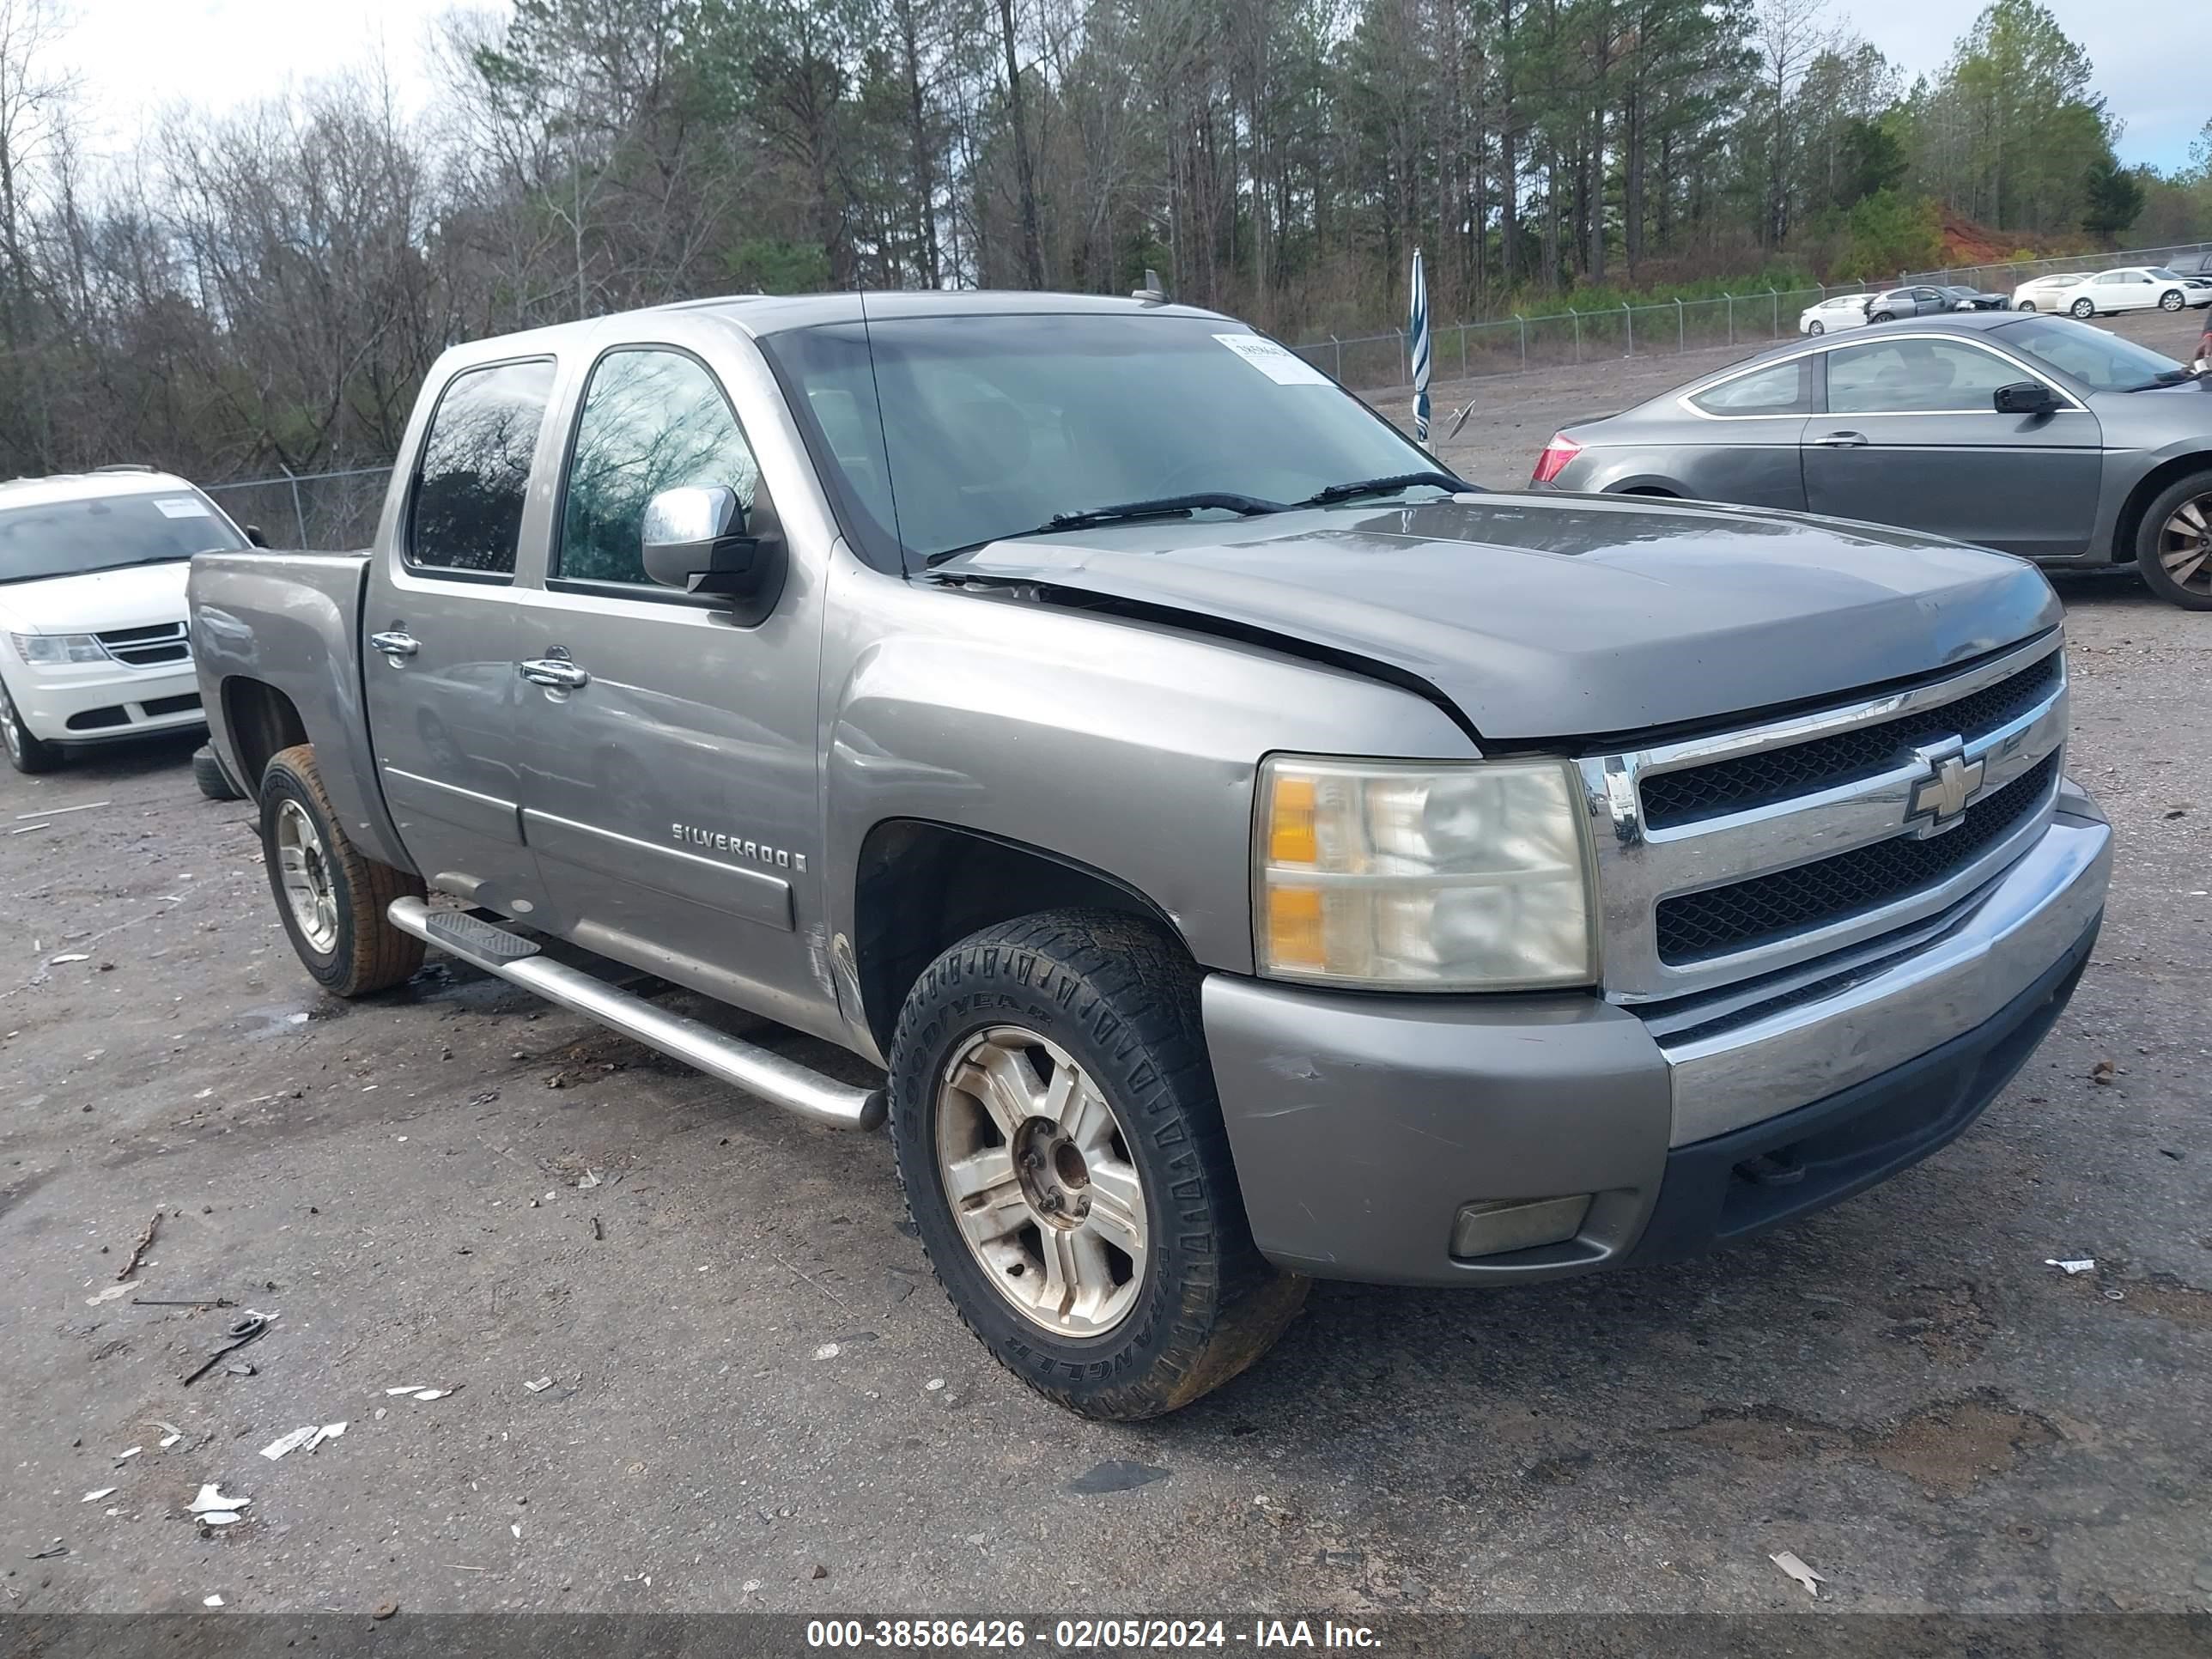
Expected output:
(1284, 368)
(181, 506)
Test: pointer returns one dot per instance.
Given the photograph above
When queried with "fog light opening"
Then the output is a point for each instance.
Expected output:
(1495, 1226)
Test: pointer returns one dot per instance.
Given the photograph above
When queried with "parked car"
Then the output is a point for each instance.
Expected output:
(1920, 300)
(2196, 290)
(1842, 311)
(2132, 287)
(92, 639)
(2067, 445)
(1249, 854)
(1974, 299)
(2035, 294)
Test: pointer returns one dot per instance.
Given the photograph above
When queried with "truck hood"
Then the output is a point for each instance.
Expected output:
(1548, 617)
(139, 596)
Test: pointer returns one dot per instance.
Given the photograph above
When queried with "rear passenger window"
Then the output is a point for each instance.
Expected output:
(467, 511)
(653, 420)
(1784, 389)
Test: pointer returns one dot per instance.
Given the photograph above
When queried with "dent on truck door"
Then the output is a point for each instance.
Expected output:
(441, 685)
(670, 787)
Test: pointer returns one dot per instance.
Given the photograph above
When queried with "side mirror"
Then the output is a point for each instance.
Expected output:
(702, 539)
(254, 535)
(2026, 397)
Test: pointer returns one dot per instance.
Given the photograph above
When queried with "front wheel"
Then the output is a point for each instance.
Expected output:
(2173, 544)
(1065, 1164)
(2027, 305)
(2084, 309)
(2171, 299)
(331, 898)
(1816, 327)
(26, 753)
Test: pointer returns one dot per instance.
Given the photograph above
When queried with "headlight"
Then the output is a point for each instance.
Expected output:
(58, 648)
(1473, 876)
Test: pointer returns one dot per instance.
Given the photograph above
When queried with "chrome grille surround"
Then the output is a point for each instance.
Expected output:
(1639, 865)
(165, 645)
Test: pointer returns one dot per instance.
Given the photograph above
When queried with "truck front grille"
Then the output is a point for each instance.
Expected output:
(1696, 925)
(1671, 799)
(1725, 857)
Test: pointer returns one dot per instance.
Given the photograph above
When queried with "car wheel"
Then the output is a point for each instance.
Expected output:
(1067, 1168)
(2027, 305)
(2170, 300)
(1816, 327)
(2173, 543)
(2084, 309)
(1883, 316)
(26, 753)
(213, 782)
(331, 898)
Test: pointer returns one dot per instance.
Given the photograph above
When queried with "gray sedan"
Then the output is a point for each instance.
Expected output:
(2033, 436)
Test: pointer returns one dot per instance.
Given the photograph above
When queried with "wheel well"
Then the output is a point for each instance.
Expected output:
(2139, 500)
(262, 720)
(924, 886)
(1650, 489)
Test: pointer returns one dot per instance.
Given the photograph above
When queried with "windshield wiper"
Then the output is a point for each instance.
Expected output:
(1386, 486)
(2164, 377)
(1244, 506)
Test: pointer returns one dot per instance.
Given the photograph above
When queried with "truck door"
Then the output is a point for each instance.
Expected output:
(670, 792)
(441, 682)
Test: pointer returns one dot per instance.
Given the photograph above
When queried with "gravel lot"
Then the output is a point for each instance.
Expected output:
(759, 1399)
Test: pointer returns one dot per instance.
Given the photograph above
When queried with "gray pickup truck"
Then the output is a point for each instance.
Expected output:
(1244, 852)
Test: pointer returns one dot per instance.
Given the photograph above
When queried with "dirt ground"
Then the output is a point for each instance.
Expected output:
(758, 1398)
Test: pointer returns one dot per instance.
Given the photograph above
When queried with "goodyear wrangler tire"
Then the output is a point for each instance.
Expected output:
(1065, 1166)
(331, 898)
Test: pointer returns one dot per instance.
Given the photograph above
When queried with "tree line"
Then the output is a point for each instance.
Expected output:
(264, 288)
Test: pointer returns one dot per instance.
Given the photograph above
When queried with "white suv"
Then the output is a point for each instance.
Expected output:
(93, 641)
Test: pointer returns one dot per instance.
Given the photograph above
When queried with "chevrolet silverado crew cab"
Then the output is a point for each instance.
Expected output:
(93, 641)
(1244, 852)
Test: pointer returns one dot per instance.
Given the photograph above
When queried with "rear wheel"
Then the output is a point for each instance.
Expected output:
(1816, 327)
(331, 898)
(2027, 305)
(1067, 1168)
(2173, 544)
(26, 753)
(1883, 316)
(2084, 309)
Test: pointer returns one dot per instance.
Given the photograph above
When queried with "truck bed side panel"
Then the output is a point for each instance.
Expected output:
(292, 622)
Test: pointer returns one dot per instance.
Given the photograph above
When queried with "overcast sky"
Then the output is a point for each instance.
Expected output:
(135, 56)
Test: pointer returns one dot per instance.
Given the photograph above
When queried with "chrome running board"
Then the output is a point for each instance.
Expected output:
(779, 1081)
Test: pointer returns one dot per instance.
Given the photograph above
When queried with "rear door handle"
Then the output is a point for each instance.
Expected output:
(395, 645)
(1842, 441)
(557, 672)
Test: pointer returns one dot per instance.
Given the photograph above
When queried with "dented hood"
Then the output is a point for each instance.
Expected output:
(1553, 615)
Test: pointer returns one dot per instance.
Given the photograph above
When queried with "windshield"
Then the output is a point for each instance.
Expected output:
(993, 426)
(2100, 360)
(67, 538)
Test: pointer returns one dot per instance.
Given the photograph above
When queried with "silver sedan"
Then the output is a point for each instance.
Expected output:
(2059, 442)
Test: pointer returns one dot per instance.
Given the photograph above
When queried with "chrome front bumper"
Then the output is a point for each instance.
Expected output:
(1739, 1059)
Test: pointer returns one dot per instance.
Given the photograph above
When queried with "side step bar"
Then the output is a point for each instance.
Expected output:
(784, 1083)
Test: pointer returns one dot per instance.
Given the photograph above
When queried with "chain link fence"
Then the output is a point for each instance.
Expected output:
(1517, 344)
(325, 510)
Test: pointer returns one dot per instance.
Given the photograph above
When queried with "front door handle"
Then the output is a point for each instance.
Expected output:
(557, 671)
(395, 645)
(1842, 441)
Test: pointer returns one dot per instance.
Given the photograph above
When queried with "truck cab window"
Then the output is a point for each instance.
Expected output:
(466, 513)
(652, 420)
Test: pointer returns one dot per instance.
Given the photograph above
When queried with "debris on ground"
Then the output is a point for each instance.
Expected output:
(212, 1601)
(94, 1497)
(309, 1435)
(935, 1385)
(539, 1386)
(68, 955)
(245, 1329)
(111, 1293)
(138, 1250)
(827, 1351)
(56, 811)
(2086, 1264)
(212, 1509)
(588, 1180)
(127, 1455)
(1788, 1561)
(384, 1609)
(56, 1547)
(1116, 1474)
(2103, 1072)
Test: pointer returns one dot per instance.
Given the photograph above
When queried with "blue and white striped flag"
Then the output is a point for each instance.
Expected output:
(1420, 352)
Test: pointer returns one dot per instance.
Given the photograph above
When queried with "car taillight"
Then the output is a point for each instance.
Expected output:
(1553, 461)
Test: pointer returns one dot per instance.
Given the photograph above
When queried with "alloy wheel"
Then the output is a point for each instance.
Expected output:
(9, 732)
(1816, 327)
(305, 870)
(2184, 545)
(1036, 1169)
(2169, 302)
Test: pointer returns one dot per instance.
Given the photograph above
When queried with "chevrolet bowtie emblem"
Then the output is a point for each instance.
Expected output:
(1939, 799)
